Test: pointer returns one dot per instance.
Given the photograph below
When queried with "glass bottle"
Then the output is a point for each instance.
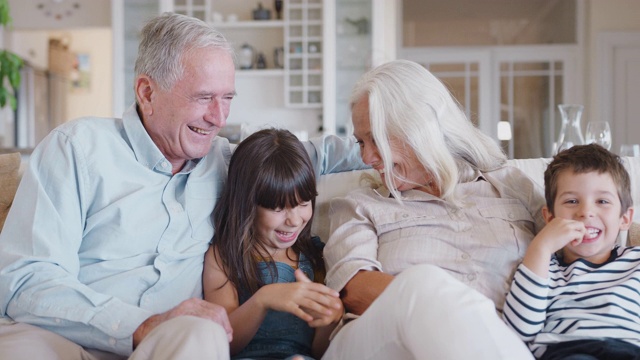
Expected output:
(246, 57)
(571, 133)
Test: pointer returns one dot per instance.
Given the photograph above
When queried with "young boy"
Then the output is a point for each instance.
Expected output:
(586, 300)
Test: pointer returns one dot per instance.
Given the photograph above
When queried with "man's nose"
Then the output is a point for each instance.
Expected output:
(216, 113)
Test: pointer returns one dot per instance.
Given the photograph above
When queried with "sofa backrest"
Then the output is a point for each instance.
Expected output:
(335, 185)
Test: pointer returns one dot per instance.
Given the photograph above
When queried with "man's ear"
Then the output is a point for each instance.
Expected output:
(144, 88)
(546, 214)
(626, 219)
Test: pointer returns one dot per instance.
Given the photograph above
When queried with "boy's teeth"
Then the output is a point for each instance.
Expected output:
(591, 233)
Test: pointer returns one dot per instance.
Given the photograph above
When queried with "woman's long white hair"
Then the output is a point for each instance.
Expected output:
(408, 103)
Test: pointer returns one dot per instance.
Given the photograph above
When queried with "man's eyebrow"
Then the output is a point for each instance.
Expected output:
(210, 93)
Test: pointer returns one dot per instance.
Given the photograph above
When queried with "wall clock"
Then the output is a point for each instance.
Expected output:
(58, 9)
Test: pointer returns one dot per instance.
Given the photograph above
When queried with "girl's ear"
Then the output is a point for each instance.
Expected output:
(546, 214)
(626, 219)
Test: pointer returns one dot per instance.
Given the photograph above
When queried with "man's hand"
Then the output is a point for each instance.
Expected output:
(191, 307)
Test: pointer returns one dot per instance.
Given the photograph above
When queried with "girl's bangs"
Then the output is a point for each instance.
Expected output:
(285, 187)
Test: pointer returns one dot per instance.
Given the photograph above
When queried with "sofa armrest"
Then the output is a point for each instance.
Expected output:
(633, 235)
(9, 180)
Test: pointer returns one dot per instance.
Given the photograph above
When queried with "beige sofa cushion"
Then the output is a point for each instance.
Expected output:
(9, 179)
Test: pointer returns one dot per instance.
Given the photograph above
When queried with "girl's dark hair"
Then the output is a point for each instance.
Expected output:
(272, 169)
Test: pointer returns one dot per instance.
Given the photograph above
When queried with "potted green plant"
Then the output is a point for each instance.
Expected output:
(10, 65)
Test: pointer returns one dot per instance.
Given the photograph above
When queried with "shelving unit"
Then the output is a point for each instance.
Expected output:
(320, 62)
(303, 53)
(299, 33)
(200, 9)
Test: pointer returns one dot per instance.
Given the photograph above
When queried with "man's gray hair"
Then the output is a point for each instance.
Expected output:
(166, 39)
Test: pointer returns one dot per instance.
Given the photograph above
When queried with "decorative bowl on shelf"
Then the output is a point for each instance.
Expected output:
(261, 13)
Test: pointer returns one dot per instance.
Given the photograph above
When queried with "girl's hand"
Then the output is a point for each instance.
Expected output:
(336, 309)
(305, 299)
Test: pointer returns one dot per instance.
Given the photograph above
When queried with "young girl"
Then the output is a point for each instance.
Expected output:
(261, 264)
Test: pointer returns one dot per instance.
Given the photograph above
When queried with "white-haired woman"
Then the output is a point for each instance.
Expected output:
(424, 258)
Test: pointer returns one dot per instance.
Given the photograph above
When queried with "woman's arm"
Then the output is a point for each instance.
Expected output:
(359, 292)
(351, 253)
(363, 288)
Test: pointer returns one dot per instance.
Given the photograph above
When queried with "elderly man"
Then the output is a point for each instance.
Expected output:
(102, 251)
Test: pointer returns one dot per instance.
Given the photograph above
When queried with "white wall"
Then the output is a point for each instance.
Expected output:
(97, 100)
(260, 103)
(51, 14)
(32, 45)
(87, 26)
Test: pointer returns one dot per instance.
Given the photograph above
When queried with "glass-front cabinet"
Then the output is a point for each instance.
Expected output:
(353, 53)
(360, 34)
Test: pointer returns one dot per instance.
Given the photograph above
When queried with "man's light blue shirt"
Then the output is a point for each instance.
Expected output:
(101, 235)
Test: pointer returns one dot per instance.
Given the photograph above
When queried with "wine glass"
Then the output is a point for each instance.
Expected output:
(598, 132)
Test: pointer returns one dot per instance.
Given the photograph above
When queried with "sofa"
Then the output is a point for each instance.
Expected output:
(335, 185)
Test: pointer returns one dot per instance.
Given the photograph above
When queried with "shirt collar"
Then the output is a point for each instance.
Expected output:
(144, 149)
(418, 195)
(407, 195)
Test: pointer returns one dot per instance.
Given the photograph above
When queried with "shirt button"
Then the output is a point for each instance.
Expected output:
(471, 277)
(112, 341)
(58, 321)
(405, 215)
(115, 327)
(465, 256)
(511, 216)
(164, 164)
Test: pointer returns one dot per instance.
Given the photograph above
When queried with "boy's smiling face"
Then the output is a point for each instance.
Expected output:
(591, 198)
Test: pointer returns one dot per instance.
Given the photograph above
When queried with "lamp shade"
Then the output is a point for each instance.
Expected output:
(504, 130)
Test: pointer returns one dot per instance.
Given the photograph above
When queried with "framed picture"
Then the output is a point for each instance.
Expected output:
(80, 75)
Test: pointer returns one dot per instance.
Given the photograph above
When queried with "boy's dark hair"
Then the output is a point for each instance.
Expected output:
(583, 159)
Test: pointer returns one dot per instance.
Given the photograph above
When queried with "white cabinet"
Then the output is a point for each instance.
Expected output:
(321, 53)
(288, 92)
